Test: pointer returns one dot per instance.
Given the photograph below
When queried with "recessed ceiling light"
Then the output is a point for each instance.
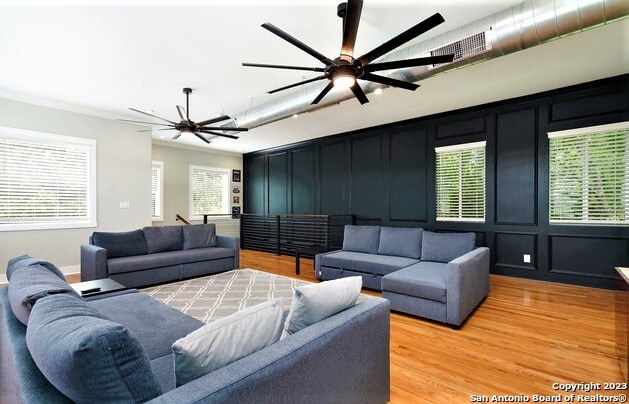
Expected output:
(378, 91)
(295, 116)
(149, 111)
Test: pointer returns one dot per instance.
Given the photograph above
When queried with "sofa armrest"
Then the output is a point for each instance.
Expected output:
(317, 260)
(231, 242)
(93, 262)
(467, 284)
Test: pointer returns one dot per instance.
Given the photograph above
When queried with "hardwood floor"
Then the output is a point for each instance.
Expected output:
(524, 337)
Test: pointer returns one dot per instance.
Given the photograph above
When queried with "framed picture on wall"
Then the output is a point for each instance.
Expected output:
(236, 190)
(235, 199)
(235, 175)
(235, 212)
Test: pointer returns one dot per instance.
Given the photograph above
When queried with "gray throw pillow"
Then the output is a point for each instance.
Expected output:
(401, 242)
(317, 301)
(27, 260)
(444, 247)
(29, 284)
(226, 340)
(163, 238)
(199, 236)
(361, 238)
(86, 356)
(121, 244)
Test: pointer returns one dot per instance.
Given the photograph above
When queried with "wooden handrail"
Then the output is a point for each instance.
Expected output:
(183, 220)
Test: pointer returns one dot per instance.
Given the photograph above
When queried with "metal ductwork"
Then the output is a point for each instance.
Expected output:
(525, 25)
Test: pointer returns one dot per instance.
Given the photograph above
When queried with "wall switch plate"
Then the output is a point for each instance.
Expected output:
(527, 258)
(125, 205)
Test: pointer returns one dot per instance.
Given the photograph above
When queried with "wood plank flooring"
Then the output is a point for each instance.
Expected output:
(524, 337)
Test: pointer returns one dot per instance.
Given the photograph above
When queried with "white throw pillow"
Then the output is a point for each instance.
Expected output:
(312, 303)
(226, 340)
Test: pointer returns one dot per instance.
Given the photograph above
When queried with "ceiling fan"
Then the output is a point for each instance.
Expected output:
(186, 125)
(345, 70)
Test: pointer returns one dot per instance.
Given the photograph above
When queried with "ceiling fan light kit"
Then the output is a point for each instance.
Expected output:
(344, 71)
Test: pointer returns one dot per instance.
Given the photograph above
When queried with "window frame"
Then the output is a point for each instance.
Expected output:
(50, 139)
(461, 147)
(159, 199)
(588, 220)
(222, 171)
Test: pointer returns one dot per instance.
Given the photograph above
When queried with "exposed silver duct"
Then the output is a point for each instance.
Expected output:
(525, 25)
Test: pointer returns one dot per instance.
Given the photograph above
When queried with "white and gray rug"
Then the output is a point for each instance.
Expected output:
(213, 297)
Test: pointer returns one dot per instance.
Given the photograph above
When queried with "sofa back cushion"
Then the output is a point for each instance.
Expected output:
(26, 260)
(86, 356)
(401, 242)
(199, 236)
(361, 238)
(121, 244)
(31, 283)
(444, 247)
(163, 238)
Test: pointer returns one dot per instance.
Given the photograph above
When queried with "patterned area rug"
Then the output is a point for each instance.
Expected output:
(216, 296)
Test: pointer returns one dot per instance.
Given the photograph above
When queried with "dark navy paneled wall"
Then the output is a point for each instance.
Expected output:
(385, 175)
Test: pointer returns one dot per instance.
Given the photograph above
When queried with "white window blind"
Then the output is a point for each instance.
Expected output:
(157, 186)
(460, 182)
(209, 191)
(46, 181)
(589, 175)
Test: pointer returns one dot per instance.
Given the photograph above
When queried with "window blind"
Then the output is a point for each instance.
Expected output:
(460, 182)
(589, 175)
(46, 181)
(209, 191)
(157, 184)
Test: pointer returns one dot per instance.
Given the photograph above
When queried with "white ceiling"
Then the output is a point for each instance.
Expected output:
(102, 57)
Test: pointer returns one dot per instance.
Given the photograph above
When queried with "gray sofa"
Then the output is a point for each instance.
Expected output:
(302, 368)
(440, 276)
(154, 255)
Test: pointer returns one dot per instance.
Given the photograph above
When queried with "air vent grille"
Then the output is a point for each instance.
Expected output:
(464, 48)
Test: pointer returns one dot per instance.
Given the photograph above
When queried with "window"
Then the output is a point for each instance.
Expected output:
(460, 182)
(589, 175)
(46, 181)
(209, 191)
(157, 187)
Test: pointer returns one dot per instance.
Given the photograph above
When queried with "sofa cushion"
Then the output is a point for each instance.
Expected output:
(164, 259)
(199, 236)
(317, 301)
(121, 244)
(361, 238)
(26, 260)
(369, 263)
(142, 315)
(86, 356)
(163, 238)
(427, 280)
(31, 283)
(444, 247)
(226, 340)
(401, 242)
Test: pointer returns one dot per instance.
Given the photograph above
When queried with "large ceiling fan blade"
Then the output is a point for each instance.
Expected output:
(147, 123)
(311, 69)
(390, 82)
(359, 93)
(296, 42)
(301, 83)
(153, 130)
(182, 112)
(176, 135)
(400, 64)
(209, 132)
(152, 116)
(200, 136)
(225, 128)
(411, 33)
(323, 93)
(213, 120)
(350, 26)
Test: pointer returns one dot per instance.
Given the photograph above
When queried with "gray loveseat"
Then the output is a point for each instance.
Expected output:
(440, 276)
(154, 255)
(57, 350)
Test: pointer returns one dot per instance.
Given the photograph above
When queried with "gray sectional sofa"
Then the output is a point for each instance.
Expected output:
(117, 348)
(440, 276)
(154, 255)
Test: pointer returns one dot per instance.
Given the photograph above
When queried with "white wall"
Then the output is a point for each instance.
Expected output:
(123, 159)
(177, 163)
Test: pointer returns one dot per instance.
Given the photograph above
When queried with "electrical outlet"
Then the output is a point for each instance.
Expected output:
(125, 205)
(527, 258)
